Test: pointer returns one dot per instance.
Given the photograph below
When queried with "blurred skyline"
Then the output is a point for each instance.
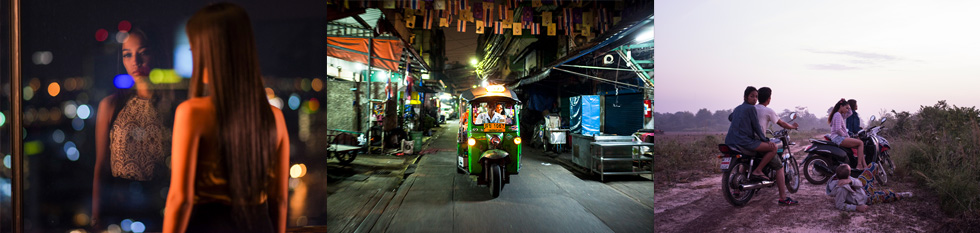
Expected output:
(886, 54)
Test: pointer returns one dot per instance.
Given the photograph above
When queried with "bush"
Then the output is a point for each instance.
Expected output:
(940, 145)
(685, 157)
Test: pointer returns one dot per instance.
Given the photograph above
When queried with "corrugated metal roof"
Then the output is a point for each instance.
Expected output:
(370, 16)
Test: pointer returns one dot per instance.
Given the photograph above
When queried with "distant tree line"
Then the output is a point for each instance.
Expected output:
(705, 120)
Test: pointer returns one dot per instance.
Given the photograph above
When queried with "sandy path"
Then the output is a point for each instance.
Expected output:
(699, 206)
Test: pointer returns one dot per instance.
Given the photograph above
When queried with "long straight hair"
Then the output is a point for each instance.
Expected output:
(222, 42)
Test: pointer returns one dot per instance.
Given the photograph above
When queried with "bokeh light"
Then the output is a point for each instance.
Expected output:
(137, 227)
(126, 224)
(54, 114)
(28, 93)
(312, 105)
(42, 57)
(54, 89)
(122, 36)
(3, 119)
(70, 84)
(35, 84)
(158, 76)
(123, 81)
(70, 109)
(297, 170)
(293, 101)
(71, 151)
(78, 124)
(6, 161)
(269, 93)
(125, 25)
(113, 228)
(101, 35)
(29, 115)
(68, 144)
(5, 188)
(42, 114)
(84, 111)
(317, 84)
(58, 136)
(33, 147)
(276, 102)
(81, 219)
(183, 58)
(305, 84)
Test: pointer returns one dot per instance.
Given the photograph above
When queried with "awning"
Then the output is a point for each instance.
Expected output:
(387, 52)
(612, 36)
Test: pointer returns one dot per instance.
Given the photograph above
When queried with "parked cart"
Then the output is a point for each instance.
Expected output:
(344, 145)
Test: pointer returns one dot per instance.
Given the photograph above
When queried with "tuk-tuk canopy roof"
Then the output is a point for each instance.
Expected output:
(495, 91)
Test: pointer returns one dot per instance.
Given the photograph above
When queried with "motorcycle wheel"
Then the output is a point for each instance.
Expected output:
(731, 179)
(792, 170)
(496, 180)
(887, 164)
(346, 157)
(812, 173)
(881, 176)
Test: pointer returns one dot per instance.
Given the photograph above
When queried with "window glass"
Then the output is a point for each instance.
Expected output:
(114, 72)
(494, 112)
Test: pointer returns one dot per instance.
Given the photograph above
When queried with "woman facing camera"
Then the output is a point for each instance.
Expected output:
(230, 147)
(132, 142)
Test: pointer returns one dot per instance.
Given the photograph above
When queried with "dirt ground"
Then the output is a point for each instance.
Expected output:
(697, 205)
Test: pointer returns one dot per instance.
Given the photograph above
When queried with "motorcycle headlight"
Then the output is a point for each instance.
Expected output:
(517, 140)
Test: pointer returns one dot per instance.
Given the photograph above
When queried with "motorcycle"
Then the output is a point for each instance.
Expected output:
(737, 165)
(824, 156)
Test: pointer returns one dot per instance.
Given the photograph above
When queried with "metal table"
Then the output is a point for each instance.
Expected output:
(600, 158)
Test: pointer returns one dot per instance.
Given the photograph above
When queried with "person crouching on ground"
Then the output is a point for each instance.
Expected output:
(855, 194)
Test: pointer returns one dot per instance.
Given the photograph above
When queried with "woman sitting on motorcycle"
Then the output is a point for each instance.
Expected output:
(838, 131)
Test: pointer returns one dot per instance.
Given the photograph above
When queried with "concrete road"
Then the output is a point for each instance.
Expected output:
(547, 196)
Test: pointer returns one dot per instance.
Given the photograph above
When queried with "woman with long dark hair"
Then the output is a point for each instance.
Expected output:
(230, 146)
(838, 131)
(132, 137)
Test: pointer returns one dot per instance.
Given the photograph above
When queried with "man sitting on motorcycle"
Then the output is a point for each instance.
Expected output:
(746, 133)
(767, 116)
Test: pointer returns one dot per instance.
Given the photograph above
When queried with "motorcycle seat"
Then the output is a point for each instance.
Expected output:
(824, 142)
(743, 151)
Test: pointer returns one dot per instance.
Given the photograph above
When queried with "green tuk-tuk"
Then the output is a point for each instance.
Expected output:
(489, 140)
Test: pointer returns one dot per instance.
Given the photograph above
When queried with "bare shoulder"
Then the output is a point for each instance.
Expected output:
(280, 119)
(277, 112)
(281, 132)
(196, 105)
(192, 112)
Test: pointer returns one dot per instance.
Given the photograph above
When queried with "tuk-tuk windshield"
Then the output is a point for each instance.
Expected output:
(493, 112)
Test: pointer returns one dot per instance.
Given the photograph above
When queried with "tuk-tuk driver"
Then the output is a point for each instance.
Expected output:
(495, 116)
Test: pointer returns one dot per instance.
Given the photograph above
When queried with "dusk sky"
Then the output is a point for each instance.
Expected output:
(886, 54)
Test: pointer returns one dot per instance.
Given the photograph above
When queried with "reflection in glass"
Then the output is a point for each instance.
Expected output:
(132, 143)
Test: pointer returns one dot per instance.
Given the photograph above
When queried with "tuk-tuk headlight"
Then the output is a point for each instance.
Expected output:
(471, 141)
(517, 140)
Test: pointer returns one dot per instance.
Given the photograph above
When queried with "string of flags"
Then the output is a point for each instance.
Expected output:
(517, 17)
